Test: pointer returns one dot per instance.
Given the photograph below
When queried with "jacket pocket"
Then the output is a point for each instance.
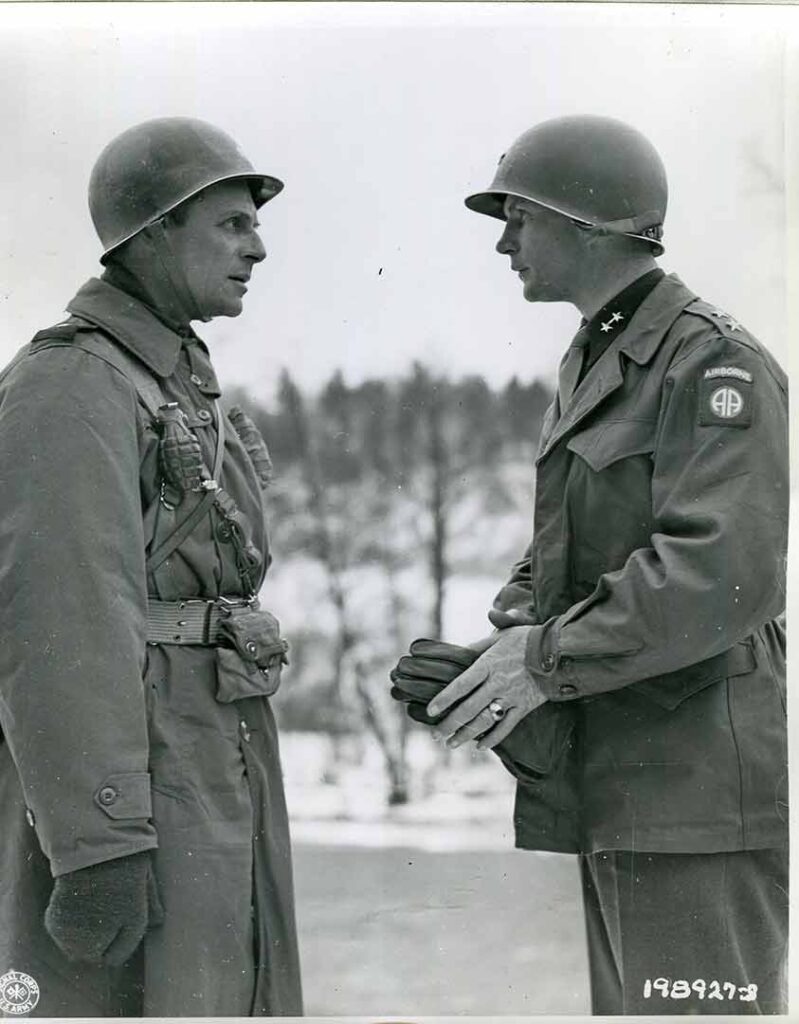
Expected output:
(672, 688)
(609, 482)
(535, 746)
(611, 440)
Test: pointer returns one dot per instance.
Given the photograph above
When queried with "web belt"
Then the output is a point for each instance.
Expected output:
(192, 621)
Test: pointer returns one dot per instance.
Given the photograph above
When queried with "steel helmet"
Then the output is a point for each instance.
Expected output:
(597, 171)
(152, 167)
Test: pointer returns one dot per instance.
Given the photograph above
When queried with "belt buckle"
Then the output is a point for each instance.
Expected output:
(236, 602)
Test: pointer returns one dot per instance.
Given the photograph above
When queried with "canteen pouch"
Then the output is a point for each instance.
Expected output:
(251, 654)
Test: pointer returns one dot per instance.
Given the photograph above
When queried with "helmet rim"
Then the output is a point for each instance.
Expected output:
(149, 169)
(597, 171)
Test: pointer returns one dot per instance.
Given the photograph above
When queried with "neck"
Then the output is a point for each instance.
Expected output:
(144, 268)
(608, 279)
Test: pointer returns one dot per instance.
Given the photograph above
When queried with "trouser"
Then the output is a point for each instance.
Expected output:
(687, 933)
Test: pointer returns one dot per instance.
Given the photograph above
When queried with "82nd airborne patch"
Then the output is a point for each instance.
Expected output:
(725, 397)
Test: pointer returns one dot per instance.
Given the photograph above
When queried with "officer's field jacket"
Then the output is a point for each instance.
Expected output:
(655, 581)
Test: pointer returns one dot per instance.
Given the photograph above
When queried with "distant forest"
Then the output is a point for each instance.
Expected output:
(383, 493)
(389, 426)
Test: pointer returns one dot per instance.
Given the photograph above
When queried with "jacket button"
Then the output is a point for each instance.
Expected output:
(252, 647)
(29, 817)
(107, 796)
(567, 689)
(245, 732)
(196, 380)
(548, 662)
(204, 415)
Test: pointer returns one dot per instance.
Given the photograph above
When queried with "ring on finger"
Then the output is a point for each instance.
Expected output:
(497, 710)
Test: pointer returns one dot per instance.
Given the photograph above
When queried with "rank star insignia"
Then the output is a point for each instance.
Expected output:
(616, 318)
(733, 325)
(608, 326)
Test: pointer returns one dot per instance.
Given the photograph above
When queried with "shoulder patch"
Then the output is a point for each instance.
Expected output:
(725, 397)
(728, 371)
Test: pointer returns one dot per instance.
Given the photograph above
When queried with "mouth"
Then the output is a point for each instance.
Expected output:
(240, 279)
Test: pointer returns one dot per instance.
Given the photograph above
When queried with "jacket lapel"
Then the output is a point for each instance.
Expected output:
(639, 341)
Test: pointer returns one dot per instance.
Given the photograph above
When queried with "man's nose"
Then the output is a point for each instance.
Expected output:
(507, 241)
(254, 248)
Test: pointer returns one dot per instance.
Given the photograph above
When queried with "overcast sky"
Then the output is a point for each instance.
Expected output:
(380, 119)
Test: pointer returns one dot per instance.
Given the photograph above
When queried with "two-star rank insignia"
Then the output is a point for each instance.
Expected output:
(608, 325)
(725, 397)
(732, 323)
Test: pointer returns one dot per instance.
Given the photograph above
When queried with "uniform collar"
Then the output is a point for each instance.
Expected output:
(614, 316)
(653, 318)
(128, 320)
(639, 341)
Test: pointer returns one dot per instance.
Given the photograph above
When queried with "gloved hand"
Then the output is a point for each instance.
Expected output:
(529, 752)
(99, 914)
(432, 665)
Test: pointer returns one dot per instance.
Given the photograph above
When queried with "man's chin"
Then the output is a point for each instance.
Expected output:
(230, 309)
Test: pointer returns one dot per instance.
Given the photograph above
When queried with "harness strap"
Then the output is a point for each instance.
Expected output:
(81, 333)
(186, 525)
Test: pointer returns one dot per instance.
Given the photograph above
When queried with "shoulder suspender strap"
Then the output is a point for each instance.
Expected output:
(189, 522)
(147, 387)
(152, 398)
(73, 335)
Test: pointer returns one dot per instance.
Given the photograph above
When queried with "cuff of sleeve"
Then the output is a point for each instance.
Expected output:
(553, 671)
(125, 795)
(512, 607)
(112, 821)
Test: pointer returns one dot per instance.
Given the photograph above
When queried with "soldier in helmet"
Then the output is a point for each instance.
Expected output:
(145, 867)
(639, 653)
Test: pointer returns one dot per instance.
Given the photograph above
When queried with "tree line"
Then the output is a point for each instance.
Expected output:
(380, 485)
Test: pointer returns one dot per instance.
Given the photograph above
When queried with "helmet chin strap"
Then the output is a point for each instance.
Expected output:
(646, 226)
(188, 306)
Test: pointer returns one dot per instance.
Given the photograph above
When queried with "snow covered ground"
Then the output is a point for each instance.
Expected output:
(466, 804)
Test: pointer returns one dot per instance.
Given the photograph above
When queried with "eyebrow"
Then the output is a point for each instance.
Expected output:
(237, 211)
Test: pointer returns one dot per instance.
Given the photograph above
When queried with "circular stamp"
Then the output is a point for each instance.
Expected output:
(19, 993)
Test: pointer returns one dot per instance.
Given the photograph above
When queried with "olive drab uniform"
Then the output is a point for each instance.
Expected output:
(136, 668)
(655, 586)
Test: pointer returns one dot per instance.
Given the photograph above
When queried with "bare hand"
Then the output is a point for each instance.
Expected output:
(500, 675)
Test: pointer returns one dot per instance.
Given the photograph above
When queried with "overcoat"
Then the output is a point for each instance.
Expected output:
(655, 586)
(113, 745)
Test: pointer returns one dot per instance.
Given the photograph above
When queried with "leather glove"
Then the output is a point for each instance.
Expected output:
(99, 914)
(529, 752)
(432, 665)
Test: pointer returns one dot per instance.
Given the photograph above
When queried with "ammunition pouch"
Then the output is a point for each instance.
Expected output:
(250, 655)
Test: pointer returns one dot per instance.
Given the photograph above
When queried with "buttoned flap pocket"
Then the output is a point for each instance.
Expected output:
(535, 746)
(251, 664)
(671, 689)
(238, 678)
(611, 440)
(125, 795)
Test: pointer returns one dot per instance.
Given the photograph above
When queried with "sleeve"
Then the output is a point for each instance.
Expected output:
(715, 569)
(516, 595)
(72, 587)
